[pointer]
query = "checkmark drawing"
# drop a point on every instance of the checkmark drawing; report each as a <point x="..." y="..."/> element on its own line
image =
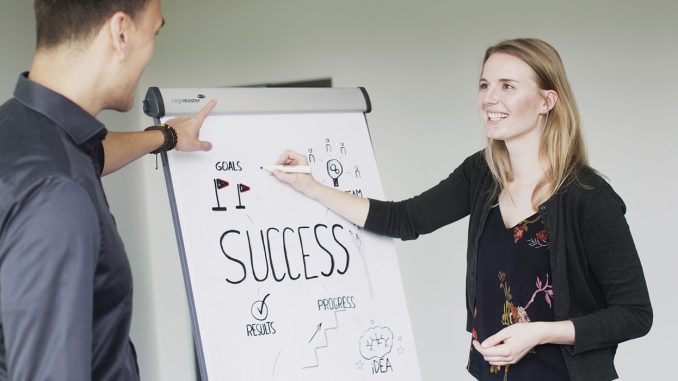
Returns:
<point x="259" y="309"/>
<point x="263" y="304"/>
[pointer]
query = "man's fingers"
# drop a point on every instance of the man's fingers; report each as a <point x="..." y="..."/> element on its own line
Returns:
<point x="202" y="114"/>
<point x="205" y="146"/>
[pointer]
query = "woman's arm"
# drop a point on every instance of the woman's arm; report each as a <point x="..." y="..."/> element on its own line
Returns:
<point x="352" y="208"/>
<point x="448" y="201"/>
<point x="613" y="262"/>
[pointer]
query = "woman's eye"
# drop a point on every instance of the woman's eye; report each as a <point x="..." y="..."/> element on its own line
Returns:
<point x="483" y="86"/>
<point x="508" y="86"/>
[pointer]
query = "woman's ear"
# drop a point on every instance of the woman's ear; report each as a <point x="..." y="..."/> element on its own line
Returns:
<point x="550" y="101"/>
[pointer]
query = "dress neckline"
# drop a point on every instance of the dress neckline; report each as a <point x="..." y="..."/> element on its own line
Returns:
<point x="525" y="221"/>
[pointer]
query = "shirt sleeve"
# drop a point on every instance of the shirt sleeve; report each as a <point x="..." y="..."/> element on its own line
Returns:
<point x="48" y="256"/>
<point x="443" y="204"/>
<point x="614" y="262"/>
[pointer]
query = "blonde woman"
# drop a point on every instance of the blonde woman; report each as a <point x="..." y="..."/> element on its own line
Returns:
<point x="553" y="281"/>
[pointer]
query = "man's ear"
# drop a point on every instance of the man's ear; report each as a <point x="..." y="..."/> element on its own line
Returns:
<point x="120" y="25"/>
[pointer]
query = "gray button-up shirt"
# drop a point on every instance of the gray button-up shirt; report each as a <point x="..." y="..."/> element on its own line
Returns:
<point x="65" y="281"/>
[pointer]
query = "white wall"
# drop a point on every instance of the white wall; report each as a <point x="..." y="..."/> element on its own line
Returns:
<point x="17" y="43"/>
<point x="420" y="63"/>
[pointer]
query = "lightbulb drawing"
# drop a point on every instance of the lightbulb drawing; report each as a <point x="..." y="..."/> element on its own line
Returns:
<point x="335" y="169"/>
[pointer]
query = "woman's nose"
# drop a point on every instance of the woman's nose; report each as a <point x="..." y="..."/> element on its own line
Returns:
<point x="491" y="96"/>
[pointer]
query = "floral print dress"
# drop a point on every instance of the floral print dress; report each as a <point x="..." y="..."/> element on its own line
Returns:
<point x="514" y="286"/>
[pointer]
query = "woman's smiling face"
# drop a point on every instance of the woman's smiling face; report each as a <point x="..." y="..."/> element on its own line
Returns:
<point x="509" y="98"/>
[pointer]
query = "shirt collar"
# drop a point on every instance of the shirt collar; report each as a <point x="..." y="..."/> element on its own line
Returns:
<point x="84" y="129"/>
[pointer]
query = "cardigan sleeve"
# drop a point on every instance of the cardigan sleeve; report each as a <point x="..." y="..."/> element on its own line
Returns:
<point x="441" y="205"/>
<point x="614" y="262"/>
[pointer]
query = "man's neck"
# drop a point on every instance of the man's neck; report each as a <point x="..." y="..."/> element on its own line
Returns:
<point x="71" y="73"/>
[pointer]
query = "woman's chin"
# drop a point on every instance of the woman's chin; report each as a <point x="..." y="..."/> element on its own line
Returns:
<point x="494" y="133"/>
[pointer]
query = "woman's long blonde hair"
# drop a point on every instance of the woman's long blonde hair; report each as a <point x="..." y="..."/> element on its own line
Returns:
<point x="562" y="147"/>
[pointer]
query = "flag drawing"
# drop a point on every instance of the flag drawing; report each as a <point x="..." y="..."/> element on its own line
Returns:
<point x="218" y="185"/>
<point x="242" y="188"/>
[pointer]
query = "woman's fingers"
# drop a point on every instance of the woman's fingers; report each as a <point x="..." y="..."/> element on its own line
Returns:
<point x="501" y="354"/>
<point x="290" y="157"/>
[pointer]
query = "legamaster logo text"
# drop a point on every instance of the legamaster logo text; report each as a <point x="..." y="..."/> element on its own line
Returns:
<point x="185" y="100"/>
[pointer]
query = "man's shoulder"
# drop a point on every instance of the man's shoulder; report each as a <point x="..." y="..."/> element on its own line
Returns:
<point x="30" y="148"/>
<point x="28" y="138"/>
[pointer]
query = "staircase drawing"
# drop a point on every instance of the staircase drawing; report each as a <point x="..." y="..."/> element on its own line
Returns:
<point x="326" y="343"/>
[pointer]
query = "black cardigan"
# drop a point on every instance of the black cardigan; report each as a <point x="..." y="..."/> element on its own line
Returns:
<point x="597" y="275"/>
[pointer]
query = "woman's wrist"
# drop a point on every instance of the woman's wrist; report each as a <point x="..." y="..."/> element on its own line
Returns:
<point x="314" y="190"/>
<point x="556" y="332"/>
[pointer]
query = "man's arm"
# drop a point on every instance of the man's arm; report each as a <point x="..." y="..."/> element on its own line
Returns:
<point x="122" y="148"/>
<point x="48" y="256"/>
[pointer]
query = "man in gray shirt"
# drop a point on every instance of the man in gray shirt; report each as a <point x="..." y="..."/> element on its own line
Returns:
<point x="65" y="281"/>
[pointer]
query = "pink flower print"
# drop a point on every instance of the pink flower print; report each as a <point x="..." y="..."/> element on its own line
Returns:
<point x="515" y="317"/>
<point x="522" y="315"/>
<point x="546" y="288"/>
<point x="541" y="239"/>
<point x="518" y="314"/>
<point x="518" y="232"/>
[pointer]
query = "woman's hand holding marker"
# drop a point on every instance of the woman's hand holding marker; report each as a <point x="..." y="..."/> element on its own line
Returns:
<point x="350" y="207"/>
<point x="300" y="181"/>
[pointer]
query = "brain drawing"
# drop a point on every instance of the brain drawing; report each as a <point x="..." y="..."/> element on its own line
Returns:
<point x="376" y="343"/>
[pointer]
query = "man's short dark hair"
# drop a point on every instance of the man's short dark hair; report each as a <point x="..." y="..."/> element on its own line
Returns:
<point x="60" y="21"/>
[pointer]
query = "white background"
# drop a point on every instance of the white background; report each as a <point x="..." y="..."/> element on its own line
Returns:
<point x="420" y="62"/>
